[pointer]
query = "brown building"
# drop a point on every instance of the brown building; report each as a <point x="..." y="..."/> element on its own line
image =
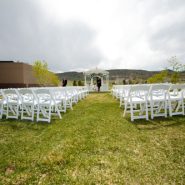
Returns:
<point x="16" y="74"/>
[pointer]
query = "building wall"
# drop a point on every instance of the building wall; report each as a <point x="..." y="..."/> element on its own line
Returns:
<point x="16" y="75"/>
<point x="28" y="75"/>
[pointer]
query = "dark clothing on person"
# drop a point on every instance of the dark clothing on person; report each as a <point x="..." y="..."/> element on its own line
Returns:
<point x="98" y="84"/>
<point x="64" y="82"/>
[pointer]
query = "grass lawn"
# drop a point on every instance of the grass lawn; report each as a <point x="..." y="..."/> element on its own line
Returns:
<point x="93" y="144"/>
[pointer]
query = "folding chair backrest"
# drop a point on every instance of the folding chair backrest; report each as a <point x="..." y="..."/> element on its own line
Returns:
<point x="25" y="91"/>
<point x="139" y="90"/>
<point x="62" y="92"/>
<point x="125" y="90"/>
<point x="27" y="95"/>
<point x="177" y="87"/>
<point x="10" y="94"/>
<point x="43" y="94"/>
<point x="159" y="89"/>
<point x="55" y="94"/>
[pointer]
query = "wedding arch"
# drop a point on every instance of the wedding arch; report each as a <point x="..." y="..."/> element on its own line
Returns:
<point x="91" y="76"/>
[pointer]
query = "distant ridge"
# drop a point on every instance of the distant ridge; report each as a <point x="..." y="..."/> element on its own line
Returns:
<point x="118" y="75"/>
<point x="114" y="74"/>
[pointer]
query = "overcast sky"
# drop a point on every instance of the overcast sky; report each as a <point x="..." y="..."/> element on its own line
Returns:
<point x="83" y="34"/>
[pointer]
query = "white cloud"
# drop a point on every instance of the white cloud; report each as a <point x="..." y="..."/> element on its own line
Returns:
<point x="106" y="33"/>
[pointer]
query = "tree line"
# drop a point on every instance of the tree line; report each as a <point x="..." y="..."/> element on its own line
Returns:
<point x="170" y="74"/>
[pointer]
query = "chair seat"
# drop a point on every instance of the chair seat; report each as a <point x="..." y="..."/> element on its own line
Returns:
<point x="14" y="102"/>
<point x="158" y="98"/>
<point x="178" y="97"/>
<point x="137" y="100"/>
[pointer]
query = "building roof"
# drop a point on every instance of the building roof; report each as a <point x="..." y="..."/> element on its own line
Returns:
<point x="6" y="61"/>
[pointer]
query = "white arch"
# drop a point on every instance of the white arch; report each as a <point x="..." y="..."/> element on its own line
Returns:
<point x="94" y="73"/>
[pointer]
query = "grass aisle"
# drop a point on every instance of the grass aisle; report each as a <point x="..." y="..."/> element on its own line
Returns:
<point x="93" y="144"/>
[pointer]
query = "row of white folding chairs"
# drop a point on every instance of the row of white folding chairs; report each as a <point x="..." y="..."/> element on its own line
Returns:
<point x="117" y="90"/>
<point x="40" y="101"/>
<point x="56" y="98"/>
<point x="158" y="99"/>
<point x="121" y="91"/>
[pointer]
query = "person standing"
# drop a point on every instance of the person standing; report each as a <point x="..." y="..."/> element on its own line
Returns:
<point x="64" y="82"/>
<point x="98" y="83"/>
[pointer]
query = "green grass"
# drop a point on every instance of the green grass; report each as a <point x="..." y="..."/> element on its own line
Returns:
<point x="93" y="144"/>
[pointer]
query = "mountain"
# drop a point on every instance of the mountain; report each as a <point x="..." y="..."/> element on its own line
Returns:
<point x="73" y="75"/>
<point x="119" y="75"/>
<point x="114" y="74"/>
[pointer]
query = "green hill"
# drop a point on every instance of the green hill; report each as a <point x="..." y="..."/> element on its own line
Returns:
<point x="113" y="74"/>
<point x="116" y="75"/>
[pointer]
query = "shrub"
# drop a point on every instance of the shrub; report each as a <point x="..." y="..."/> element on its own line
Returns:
<point x="74" y="83"/>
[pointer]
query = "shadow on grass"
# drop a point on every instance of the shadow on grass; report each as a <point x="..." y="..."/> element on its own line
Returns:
<point x="21" y="124"/>
<point x="157" y="123"/>
<point x="18" y="124"/>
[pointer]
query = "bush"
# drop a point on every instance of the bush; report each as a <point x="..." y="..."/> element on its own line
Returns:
<point x="80" y="83"/>
<point x="74" y="83"/>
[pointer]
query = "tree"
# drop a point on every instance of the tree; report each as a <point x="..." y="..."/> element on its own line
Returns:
<point x="176" y="68"/>
<point x="74" y="83"/>
<point x="54" y="79"/>
<point x="171" y="74"/>
<point x="175" y="64"/>
<point x="159" y="77"/>
<point x="43" y="75"/>
<point x="80" y="83"/>
<point x="124" y="81"/>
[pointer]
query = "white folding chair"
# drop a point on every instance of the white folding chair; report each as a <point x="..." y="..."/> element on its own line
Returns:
<point x="12" y="103"/>
<point x="136" y="102"/>
<point x="44" y="104"/>
<point x="69" y="99"/>
<point x="118" y="91"/>
<point x="176" y="99"/>
<point x="2" y="102"/>
<point x="58" y="101"/>
<point x="113" y="90"/>
<point x="62" y="96"/>
<point x="124" y="93"/>
<point x="85" y="91"/>
<point x="158" y="100"/>
<point x="28" y="104"/>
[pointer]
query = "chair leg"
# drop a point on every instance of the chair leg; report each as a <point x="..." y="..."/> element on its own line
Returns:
<point x="57" y="111"/>
<point x="38" y="112"/>
<point x="1" y="111"/>
<point x="183" y="112"/>
<point x="49" y="120"/>
<point x="14" y="109"/>
<point x="125" y="110"/>
<point x="146" y="104"/>
<point x="165" y="108"/>
<point x="131" y="112"/>
<point x="152" y="109"/>
<point x="170" y="108"/>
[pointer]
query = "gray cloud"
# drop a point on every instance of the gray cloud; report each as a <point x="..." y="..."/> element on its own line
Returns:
<point x="168" y="37"/>
<point x="27" y="35"/>
<point x="151" y="31"/>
